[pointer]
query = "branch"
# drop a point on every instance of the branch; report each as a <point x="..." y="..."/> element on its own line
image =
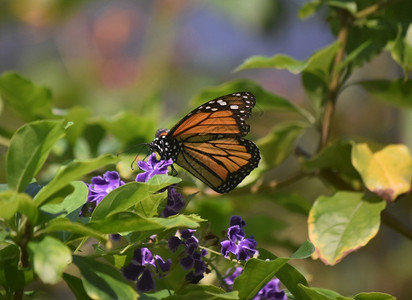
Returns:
<point x="374" y="8"/>
<point x="345" y="21"/>
<point x="396" y="225"/>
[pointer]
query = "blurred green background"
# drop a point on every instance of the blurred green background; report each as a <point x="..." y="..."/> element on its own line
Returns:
<point x="145" y="60"/>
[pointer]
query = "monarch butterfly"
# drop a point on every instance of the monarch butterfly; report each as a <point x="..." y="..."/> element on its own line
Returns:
<point x="208" y="142"/>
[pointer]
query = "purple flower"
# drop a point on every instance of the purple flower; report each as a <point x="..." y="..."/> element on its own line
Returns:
<point x="152" y="167"/>
<point x="192" y="259"/>
<point x="100" y="187"/>
<point x="230" y="279"/>
<point x="243" y="248"/>
<point x="271" y="291"/>
<point x="115" y="237"/>
<point x="174" y="203"/>
<point x="155" y="167"/>
<point x="141" y="269"/>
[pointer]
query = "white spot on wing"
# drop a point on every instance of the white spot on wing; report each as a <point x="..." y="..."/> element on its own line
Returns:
<point x="234" y="106"/>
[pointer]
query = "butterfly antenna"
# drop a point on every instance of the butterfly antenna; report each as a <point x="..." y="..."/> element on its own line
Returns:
<point x="138" y="153"/>
<point x="261" y="111"/>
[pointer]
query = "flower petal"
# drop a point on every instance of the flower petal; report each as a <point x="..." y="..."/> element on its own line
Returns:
<point x="146" y="282"/>
<point x="187" y="262"/>
<point x="174" y="243"/>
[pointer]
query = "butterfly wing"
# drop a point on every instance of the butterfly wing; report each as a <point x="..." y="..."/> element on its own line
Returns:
<point x="225" y="115"/>
<point x="208" y="142"/>
<point x="221" y="163"/>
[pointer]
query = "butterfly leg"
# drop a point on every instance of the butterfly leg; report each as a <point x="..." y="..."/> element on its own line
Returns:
<point x="174" y="171"/>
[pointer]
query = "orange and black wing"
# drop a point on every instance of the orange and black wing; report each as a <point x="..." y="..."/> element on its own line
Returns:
<point x="221" y="163"/>
<point x="225" y="116"/>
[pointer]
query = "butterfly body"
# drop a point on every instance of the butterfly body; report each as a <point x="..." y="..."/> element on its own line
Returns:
<point x="208" y="142"/>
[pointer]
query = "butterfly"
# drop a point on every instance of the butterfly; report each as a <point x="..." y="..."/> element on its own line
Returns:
<point x="208" y="142"/>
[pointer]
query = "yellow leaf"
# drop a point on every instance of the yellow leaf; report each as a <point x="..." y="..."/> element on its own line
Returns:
<point x="387" y="172"/>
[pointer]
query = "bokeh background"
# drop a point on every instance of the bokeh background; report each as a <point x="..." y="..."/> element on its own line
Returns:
<point x="151" y="57"/>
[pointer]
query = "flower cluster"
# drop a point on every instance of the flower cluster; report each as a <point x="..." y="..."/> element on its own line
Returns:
<point x="156" y="167"/>
<point x="174" y="203"/>
<point x="243" y="248"/>
<point x="270" y="291"/>
<point x="229" y="279"/>
<point x="100" y="187"/>
<point x="142" y="267"/>
<point x="193" y="254"/>
<point x="152" y="167"/>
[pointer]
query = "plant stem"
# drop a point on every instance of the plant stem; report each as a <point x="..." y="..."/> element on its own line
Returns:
<point x="345" y="20"/>
<point x="25" y="238"/>
<point x="25" y="234"/>
<point x="396" y="225"/>
<point x="374" y="8"/>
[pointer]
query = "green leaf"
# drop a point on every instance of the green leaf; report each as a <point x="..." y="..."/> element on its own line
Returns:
<point x="50" y="258"/>
<point x="148" y="205"/>
<point x="355" y="54"/>
<point x="129" y="127"/>
<point x="316" y="75"/>
<point x="279" y="61"/>
<point x="29" y="148"/>
<point x="255" y="275"/>
<point x="374" y="296"/>
<point x="387" y="172"/>
<point x="342" y="223"/>
<point x="78" y="115"/>
<point x="76" y="286"/>
<point x="71" y="206"/>
<point x="102" y="281"/>
<point x="318" y="293"/>
<point x="161" y="181"/>
<point x="349" y="6"/>
<point x="27" y="208"/>
<point x="401" y="49"/>
<point x="201" y="291"/>
<point x="371" y="35"/>
<point x="396" y="92"/>
<point x="309" y="8"/>
<point x="71" y="172"/>
<point x="280" y="142"/>
<point x="30" y="101"/>
<point x="128" y="221"/>
<point x="64" y="225"/>
<point x="335" y="157"/>
<point x="120" y="199"/>
<point x="288" y="275"/>
<point x="158" y="295"/>
<point x="12" y="278"/>
<point x="131" y="194"/>
<point x="9" y="204"/>
<point x="304" y="251"/>
<point x="319" y="62"/>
